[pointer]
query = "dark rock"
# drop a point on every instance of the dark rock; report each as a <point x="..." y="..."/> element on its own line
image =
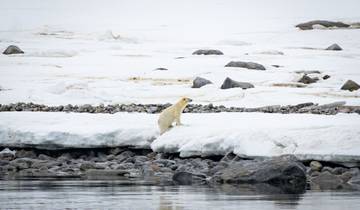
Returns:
<point x="124" y="155"/>
<point x="307" y="80"/>
<point x="161" y="69"/>
<point x="327" y="168"/>
<point x="350" y="85"/>
<point x="247" y="65"/>
<point x="87" y="165"/>
<point x="308" y="72"/>
<point x="21" y="163"/>
<point x="283" y="170"/>
<point x="327" y="24"/>
<point x="208" y="52"/>
<point x="335" y="47"/>
<point x="44" y="157"/>
<point x="12" y="49"/>
<point x="325" y="77"/>
<point x="339" y="170"/>
<point x="105" y="174"/>
<point x="125" y="166"/>
<point x="315" y="166"/>
<point x="198" y="82"/>
<point x="229" y="83"/>
<point x="326" y="180"/>
<point x="25" y="154"/>
<point x="7" y="155"/>
<point x="187" y="178"/>
<point x="116" y="151"/>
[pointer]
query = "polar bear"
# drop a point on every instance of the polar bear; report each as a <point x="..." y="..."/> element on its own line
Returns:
<point x="171" y="114"/>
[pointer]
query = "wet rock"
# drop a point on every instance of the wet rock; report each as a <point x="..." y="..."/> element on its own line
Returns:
<point x="326" y="180"/>
<point x="208" y="52"/>
<point x="125" y="166"/>
<point x="326" y="24"/>
<point x="7" y="154"/>
<point x="350" y="85"/>
<point x="198" y="82"/>
<point x="229" y="83"/>
<point x="21" y="163"/>
<point x="187" y="178"/>
<point x="307" y="80"/>
<point x="247" y="65"/>
<point x="105" y="174"/>
<point x="315" y="165"/>
<point x="285" y="170"/>
<point x="334" y="47"/>
<point x="87" y="165"/>
<point x="12" y="49"/>
<point x="116" y="151"/>
<point x="339" y="170"/>
<point x="25" y="154"/>
<point x="44" y="157"/>
<point x="124" y="155"/>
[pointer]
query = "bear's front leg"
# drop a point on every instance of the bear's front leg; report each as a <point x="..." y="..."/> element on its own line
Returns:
<point x="177" y="121"/>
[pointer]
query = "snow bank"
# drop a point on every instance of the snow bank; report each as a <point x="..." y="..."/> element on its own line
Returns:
<point x="246" y="134"/>
<point x="64" y="130"/>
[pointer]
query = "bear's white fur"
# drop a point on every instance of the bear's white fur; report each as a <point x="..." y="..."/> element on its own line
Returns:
<point x="171" y="114"/>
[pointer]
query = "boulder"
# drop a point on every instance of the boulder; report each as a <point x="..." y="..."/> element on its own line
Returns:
<point x="326" y="181"/>
<point x="161" y="69"/>
<point x="278" y="171"/>
<point x="324" y="23"/>
<point x="350" y="85"/>
<point x="12" y="49"/>
<point x="208" y="52"/>
<point x="307" y="80"/>
<point x="315" y="166"/>
<point x="187" y="178"/>
<point x="247" y="65"/>
<point x="335" y="47"/>
<point x="198" y="82"/>
<point x="229" y="83"/>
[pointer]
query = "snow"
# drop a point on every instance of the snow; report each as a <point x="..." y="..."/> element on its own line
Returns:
<point x="73" y="57"/>
<point x="246" y="134"/>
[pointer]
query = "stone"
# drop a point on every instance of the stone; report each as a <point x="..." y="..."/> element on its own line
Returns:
<point x="307" y="80"/>
<point x="325" y="181"/>
<point x="350" y="85"/>
<point x="325" y="77"/>
<point x="105" y="174"/>
<point x="124" y="156"/>
<point x="87" y="165"/>
<point x="12" y="49"/>
<point x="339" y="170"/>
<point x="161" y="69"/>
<point x="315" y="165"/>
<point x="21" y="163"/>
<point x="229" y="83"/>
<point x="326" y="24"/>
<point x="247" y="65"/>
<point x="7" y="154"/>
<point x="25" y="154"/>
<point x="198" y="82"/>
<point x="334" y="47"/>
<point x="308" y="72"/>
<point x="208" y="52"/>
<point x="278" y="171"/>
<point x="187" y="178"/>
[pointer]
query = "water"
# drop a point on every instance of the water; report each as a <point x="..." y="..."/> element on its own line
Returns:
<point x="122" y="195"/>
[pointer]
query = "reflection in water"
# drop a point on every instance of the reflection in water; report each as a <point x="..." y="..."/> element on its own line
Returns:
<point x="124" y="195"/>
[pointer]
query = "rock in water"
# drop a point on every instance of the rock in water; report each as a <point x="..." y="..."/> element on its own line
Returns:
<point x="208" y="52"/>
<point x="229" y="83"/>
<point x="187" y="178"/>
<point x="199" y="82"/>
<point x="327" y="24"/>
<point x="285" y="171"/>
<point x="12" y="49"/>
<point x="335" y="47"/>
<point x="247" y="65"/>
<point x="308" y="80"/>
<point x="350" y="85"/>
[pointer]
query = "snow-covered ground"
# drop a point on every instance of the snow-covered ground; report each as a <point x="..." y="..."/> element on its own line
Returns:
<point x="88" y="52"/>
<point x="247" y="134"/>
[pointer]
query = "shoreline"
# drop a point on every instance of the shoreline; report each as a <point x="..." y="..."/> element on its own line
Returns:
<point x="122" y="163"/>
